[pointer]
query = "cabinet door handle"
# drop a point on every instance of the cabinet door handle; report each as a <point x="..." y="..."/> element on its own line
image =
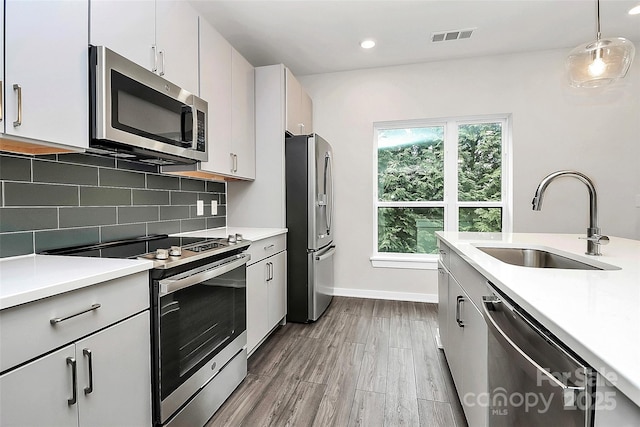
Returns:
<point x="154" y="50"/>
<point x="57" y="320"/>
<point x="235" y="163"/>
<point x="266" y="248"/>
<point x="267" y="272"/>
<point x="1" y="92"/>
<point x="459" y="301"/>
<point x="161" y="53"/>
<point x="87" y="353"/>
<point x="74" y="381"/>
<point x="18" y="89"/>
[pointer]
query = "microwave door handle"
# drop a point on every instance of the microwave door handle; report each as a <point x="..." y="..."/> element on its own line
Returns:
<point x="194" y="123"/>
<point x="194" y="132"/>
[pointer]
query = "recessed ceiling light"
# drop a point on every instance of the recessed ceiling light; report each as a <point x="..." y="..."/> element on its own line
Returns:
<point x="635" y="10"/>
<point x="367" y="44"/>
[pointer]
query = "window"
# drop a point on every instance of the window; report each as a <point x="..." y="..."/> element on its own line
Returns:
<point x="450" y="174"/>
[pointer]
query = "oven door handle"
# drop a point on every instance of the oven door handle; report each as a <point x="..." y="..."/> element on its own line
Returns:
<point x="168" y="286"/>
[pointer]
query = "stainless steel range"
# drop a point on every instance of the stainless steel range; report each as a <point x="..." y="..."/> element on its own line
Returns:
<point x="198" y="300"/>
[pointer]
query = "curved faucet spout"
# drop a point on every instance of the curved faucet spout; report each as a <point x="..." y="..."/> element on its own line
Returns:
<point x="593" y="232"/>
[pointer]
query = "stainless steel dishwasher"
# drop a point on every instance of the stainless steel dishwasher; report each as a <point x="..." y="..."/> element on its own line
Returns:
<point x="534" y="380"/>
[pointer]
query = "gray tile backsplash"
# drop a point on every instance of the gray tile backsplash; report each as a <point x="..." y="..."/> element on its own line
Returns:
<point x="48" y="202"/>
<point x="28" y="194"/>
<point x="64" y="173"/>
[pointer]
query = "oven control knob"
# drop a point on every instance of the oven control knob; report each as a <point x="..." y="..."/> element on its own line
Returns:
<point x="175" y="251"/>
<point x="231" y="238"/>
<point x="239" y="237"/>
<point x="162" y="254"/>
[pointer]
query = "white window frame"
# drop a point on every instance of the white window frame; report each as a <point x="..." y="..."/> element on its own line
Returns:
<point x="450" y="202"/>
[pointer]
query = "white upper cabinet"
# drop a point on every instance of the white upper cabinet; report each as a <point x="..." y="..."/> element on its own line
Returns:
<point x="243" y="129"/>
<point x="227" y="83"/>
<point x="177" y="42"/>
<point x="215" y="88"/>
<point x="299" y="107"/>
<point x="45" y="71"/>
<point x="2" y="120"/>
<point x="161" y="36"/>
<point x="126" y="27"/>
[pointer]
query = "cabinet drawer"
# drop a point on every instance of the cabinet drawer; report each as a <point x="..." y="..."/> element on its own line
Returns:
<point x="261" y="249"/>
<point x="27" y="330"/>
<point x="444" y="253"/>
<point x="474" y="283"/>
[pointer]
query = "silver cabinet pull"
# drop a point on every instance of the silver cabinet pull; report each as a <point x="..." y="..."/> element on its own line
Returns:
<point x="459" y="301"/>
<point x="161" y="62"/>
<point x="18" y="89"/>
<point x="235" y="163"/>
<point x="270" y="265"/>
<point x="267" y="271"/>
<point x="266" y="248"/>
<point x="154" y="49"/>
<point x="1" y="92"/>
<point x="57" y="320"/>
<point x="74" y="381"/>
<point x="87" y="353"/>
<point x="232" y="161"/>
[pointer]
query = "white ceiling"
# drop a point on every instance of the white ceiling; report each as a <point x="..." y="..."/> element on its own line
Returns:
<point x="321" y="36"/>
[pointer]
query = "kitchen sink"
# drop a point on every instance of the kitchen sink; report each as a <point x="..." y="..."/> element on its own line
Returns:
<point x="540" y="258"/>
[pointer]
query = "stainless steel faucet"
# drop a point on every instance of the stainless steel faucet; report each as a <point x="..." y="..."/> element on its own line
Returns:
<point x="594" y="238"/>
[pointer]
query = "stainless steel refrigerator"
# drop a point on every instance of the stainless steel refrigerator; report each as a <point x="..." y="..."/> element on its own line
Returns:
<point x="310" y="247"/>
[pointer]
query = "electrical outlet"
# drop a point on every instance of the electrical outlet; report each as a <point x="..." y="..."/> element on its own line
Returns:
<point x="200" y="207"/>
<point x="214" y="207"/>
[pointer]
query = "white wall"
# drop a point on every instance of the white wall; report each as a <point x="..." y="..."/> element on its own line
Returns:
<point x="554" y="127"/>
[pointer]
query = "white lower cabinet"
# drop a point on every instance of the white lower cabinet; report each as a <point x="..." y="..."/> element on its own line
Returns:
<point x="45" y="384"/>
<point x="101" y="380"/>
<point x="464" y="335"/>
<point x="81" y="358"/>
<point x="266" y="292"/>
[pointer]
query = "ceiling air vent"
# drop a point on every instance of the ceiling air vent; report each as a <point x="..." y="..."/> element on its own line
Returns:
<point x="452" y="35"/>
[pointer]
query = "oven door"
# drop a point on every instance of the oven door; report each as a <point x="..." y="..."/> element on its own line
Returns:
<point x="202" y="325"/>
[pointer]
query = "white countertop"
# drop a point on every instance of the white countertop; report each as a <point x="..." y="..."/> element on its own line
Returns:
<point x="28" y="278"/>
<point x="595" y="313"/>
<point x="249" y="233"/>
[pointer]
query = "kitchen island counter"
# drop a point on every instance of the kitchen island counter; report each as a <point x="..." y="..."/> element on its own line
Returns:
<point x="594" y="312"/>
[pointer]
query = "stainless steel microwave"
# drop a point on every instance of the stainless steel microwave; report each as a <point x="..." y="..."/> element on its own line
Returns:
<point x="137" y="114"/>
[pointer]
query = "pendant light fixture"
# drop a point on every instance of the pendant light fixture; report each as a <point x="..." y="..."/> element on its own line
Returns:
<point x="601" y="62"/>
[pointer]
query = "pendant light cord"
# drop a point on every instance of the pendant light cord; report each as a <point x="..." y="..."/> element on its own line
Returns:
<point x="598" y="20"/>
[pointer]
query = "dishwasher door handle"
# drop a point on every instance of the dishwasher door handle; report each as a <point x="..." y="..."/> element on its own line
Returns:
<point x="569" y="392"/>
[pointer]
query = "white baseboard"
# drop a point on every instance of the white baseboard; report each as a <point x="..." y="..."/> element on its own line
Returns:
<point x="398" y="296"/>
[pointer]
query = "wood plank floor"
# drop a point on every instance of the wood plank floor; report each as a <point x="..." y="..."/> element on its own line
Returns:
<point x="364" y="363"/>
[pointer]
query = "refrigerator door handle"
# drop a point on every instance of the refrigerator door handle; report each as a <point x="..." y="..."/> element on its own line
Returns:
<point x="329" y="253"/>
<point x="328" y="205"/>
